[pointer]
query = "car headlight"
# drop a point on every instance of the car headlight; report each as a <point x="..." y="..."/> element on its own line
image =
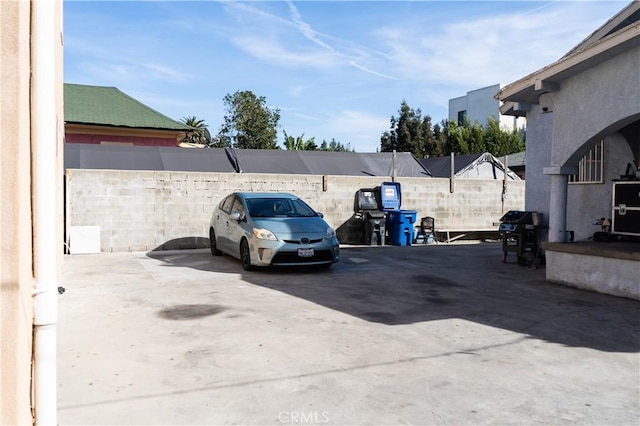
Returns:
<point x="330" y="233"/>
<point x="264" y="234"/>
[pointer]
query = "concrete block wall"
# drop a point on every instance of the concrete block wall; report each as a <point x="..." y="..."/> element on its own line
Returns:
<point x="147" y="210"/>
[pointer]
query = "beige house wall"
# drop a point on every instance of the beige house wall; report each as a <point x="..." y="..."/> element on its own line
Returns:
<point x="145" y="210"/>
<point x="16" y="236"/>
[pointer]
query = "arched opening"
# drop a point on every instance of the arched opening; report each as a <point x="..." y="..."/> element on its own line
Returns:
<point x="609" y="156"/>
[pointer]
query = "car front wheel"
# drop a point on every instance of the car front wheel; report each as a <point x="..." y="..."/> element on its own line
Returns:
<point x="245" y="255"/>
<point x="214" y="246"/>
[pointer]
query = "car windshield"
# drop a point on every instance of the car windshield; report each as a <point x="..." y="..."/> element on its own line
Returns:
<point x="279" y="207"/>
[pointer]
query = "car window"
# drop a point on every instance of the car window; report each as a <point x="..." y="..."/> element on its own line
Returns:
<point x="300" y="208"/>
<point x="225" y="206"/>
<point x="260" y="207"/>
<point x="279" y="207"/>
<point x="237" y="206"/>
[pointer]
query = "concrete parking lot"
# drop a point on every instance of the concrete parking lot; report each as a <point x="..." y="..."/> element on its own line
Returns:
<point x="441" y="334"/>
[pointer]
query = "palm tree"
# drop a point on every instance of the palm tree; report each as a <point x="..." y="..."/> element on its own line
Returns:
<point x="200" y="134"/>
<point x="298" y="143"/>
<point x="289" y="141"/>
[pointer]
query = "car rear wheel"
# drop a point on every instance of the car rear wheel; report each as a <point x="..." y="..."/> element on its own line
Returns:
<point x="214" y="246"/>
<point x="245" y="255"/>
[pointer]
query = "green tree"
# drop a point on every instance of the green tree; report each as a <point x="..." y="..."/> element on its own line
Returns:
<point x="200" y="134"/>
<point x="310" y="144"/>
<point x="248" y="122"/>
<point x="289" y="141"/>
<point x="500" y="142"/>
<point x="407" y="132"/>
<point x="476" y="140"/>
<point x="440" y="135"/>
<point x="335" y="146"/>
<point x="411" y="132"/>
<point x="430" y="141"/>
<point x="299" y="143"/>
<point x="449" y="137"/>
<point x="457" y="136"/>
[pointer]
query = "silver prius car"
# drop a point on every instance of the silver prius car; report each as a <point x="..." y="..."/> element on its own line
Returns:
<point x="271" y="229"/>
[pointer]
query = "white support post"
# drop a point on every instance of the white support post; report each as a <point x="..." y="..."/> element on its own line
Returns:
<point x="559" y="177"/>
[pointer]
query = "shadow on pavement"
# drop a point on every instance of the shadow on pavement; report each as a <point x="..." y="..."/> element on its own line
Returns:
<point x="402" y="285"/>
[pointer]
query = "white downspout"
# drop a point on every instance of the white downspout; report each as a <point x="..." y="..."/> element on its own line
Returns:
<point x="45" y="192"/>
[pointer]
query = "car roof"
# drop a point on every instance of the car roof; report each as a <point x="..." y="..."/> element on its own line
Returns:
<point x="249" y="195"/>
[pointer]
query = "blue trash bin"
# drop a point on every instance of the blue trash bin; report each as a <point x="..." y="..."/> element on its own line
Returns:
<point x="400" y="224"/>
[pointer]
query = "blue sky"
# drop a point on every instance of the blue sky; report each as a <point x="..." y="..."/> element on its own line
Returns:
<point x="335" y="69"/>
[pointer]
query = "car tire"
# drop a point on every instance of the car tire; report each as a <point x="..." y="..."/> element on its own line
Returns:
<point x="245" y="255"/>
<point x="212" y="242"/>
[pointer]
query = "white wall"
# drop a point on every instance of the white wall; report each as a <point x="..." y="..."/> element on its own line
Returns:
<point x="456" y="105"/>
<point x="480" y="104"/>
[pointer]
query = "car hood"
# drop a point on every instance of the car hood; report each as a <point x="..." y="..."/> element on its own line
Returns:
<point x="293" y="225"/>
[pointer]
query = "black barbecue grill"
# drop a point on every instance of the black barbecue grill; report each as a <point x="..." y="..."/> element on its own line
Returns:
<point x="519" y="230"/>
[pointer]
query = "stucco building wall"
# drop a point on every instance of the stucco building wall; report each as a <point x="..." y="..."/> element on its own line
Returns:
<point x="566" y="124"/>
<point x="537" y="157"/>
<point x="18" y="100"/>
<point x="144" y="210"/>
<point x="589" y="95"/>
<point x="590" y="104"/>
<point x="16" y="280"/>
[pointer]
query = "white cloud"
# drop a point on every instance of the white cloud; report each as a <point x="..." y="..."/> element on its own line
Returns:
<point x="472" y="53"/>
<point x="297" y="90"/>
<point x="274" y="52"/>
<point x="359" y="128"/>
<point x="276" y="39"/>
<point x="164" y="72"/>
<point x="116" y="73"/>
<point x="305" y="28"/>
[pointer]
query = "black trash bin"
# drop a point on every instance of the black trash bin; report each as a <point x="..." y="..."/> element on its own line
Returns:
<point x="373" y="218"/>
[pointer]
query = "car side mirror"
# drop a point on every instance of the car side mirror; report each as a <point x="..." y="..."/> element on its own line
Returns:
<point x="320" y="214"/>
<point x="237" y="216"/>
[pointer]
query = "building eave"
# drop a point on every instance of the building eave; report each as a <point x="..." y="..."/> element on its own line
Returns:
<point x="528" y="89"/>
<point x="99" y="129"/>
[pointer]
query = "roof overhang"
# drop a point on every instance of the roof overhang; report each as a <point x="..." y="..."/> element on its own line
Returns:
<point x="518" y="96"/>
<point x="99" y="129"/>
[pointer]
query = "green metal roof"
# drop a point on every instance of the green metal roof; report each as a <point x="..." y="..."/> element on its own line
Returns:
<point x="108" y="106"/>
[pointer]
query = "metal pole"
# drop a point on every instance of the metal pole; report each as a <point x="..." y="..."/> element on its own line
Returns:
<point x="453" y="172"/>
<point x="504" y="181"/>
<point x="395" y="167"/>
